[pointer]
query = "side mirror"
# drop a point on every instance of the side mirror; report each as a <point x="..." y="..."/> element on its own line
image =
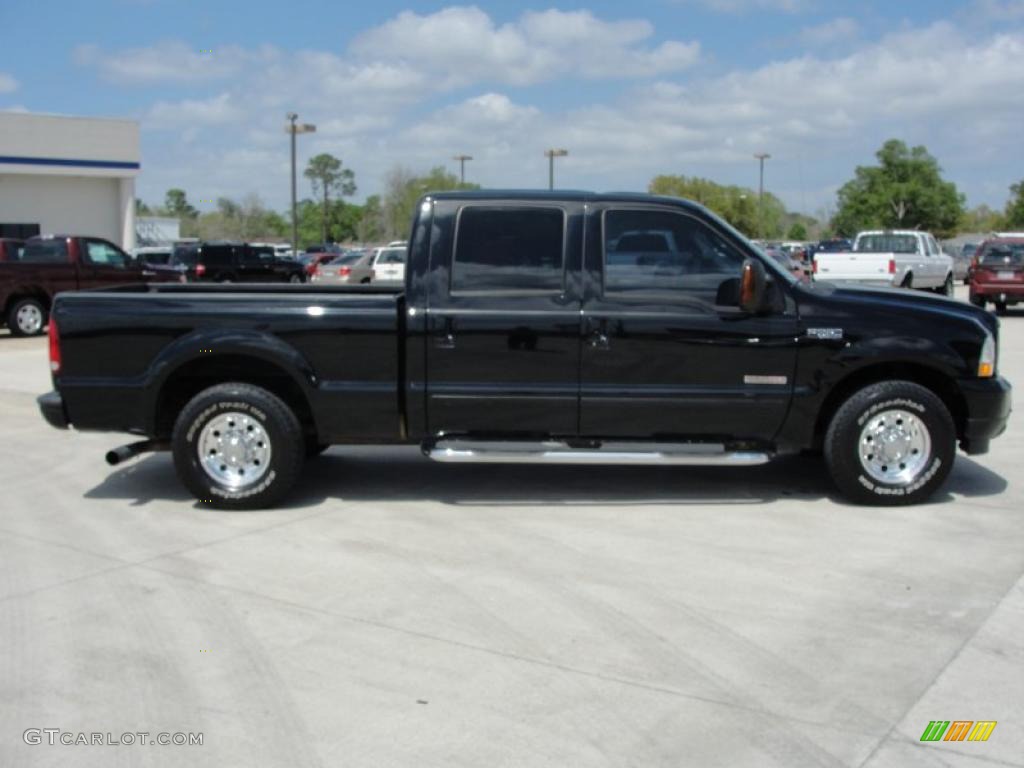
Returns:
<point x="753" y="283"/>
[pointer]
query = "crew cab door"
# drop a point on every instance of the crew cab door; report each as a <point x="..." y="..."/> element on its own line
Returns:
<point x="661" y="358"/>
<point x="503" y="339"/>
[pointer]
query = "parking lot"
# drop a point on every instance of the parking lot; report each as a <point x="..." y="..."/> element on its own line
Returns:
<point x="397" y="612"/>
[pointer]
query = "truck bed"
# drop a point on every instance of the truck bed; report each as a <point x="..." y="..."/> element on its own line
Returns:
<point x="340" y="347"/>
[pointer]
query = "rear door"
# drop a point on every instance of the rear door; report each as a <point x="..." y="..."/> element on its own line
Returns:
<point x="665" y="356"/>
<point x="503" y="339"/>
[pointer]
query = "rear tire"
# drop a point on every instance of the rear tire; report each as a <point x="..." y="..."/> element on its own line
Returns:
<point x="295" y="279"/>
<point x="232" y="429"/>
<point x="908" y="281"/>
<point x="1000" y="308"/>
<point x="27" y="317"/>
<point x="891" y="443"/>
<point x="947" y="287"/>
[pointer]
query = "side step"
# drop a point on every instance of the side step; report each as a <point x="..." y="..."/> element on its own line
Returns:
<point x="462" y="451"/>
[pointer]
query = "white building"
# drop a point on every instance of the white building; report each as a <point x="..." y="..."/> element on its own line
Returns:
<point x="68" y="175"/>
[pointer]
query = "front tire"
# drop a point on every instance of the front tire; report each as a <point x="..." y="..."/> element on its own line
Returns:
<point x="891" y="443"/>
<point x="238" y="446"/>
<point x="27" y="317"/>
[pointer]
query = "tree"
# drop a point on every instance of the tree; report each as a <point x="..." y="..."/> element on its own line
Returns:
<point x="797" y="232"/>
<point x="1014" y="216"/>
<point x="141" y="209"/>
<point x="402" y="191"/>
<point x="982" y="219"/>
<point x="905" y="190"/>
<point x="176" y="204"/>
<point x="327" y="177"/>
<point x="737" y="205"/>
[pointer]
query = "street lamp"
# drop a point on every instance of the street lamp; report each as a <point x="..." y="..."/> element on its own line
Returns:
<point x="293" y="128"/>
<point x="761" y="157"/>
<point x="462" y="166"/>
<point x="551" y="154"/>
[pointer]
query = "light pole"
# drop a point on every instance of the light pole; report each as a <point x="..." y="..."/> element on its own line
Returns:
<point x="761" y="157"/>
<point x="462" y="166"/>
<point x="292" y="128"/>
<point x="551" y="154"/>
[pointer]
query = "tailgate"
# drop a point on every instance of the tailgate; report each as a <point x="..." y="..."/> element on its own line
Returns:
<point x="848" y="265"/>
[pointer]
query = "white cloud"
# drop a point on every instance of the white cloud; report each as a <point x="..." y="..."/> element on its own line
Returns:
<point x="462" y="45"/>
<point x="217" y="110"/>
<point x="7" y="83"/>
<point x="840" y="30"/>
<point x="170" y="61"/>
<point x="744" y="6"/>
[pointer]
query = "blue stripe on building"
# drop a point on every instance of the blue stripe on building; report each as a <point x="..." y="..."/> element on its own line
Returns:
<point x="68" y="162"/>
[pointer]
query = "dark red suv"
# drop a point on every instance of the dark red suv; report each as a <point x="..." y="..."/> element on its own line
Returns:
<point x="997" y="273"/>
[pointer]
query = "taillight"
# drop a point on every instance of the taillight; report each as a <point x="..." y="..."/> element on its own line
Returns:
<point x="344" y="271"/>
<point x="54" y="336"/>
<point x="316" y="270"/>
<point x="892" y="266"/>
<point x="200" y="270"/>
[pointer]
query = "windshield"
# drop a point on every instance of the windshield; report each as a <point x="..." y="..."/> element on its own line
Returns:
<point x="345" y="258"/>
<point x="1002" y="254"/>
<point x="886" y="244"/>
<point x="392" y="256"/>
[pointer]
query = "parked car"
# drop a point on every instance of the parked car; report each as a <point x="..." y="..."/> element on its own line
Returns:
<point x="52" y="263"/>
<point x="10" y="248"/>
<point x="512" y="340"/>
<point x="230" y="262"/>
<point x="389" y="264"/>
<point x="317" y="254"/>
<point x="352" y="268"/>
<point x="153" y="254"/>
<point x="787" y="261"/>
<point x="997" y="273"/>
<point x="899" y="258"/>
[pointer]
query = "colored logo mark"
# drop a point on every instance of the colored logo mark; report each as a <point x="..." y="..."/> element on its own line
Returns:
<point x="958" y="730"/>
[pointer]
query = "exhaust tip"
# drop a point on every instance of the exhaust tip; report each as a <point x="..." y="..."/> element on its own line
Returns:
<point x="113" y="458"/>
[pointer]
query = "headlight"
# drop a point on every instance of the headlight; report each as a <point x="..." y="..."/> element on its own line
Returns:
<point x="987" y="361"/>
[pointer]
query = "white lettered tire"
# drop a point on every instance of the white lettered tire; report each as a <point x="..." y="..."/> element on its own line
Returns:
<point x="238" y="446"/>
<point x="891" y="443"/>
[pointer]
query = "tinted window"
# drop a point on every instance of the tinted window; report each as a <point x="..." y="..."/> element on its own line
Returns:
<point x="995" y="254"/>
<point x="45" y="252"/>
<point x="508" y="249"/>
<point x="185" y="254"/>
<point x="659" y="252"/>
<point x="887" y="244"/>
<point x="392" y="256"/>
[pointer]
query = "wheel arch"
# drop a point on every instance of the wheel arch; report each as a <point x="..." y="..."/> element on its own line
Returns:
<point x="196" y="364"/>
<point x="937" y="381"/>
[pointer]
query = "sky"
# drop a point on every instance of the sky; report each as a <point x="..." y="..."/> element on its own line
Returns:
<point x="632" y="90"/>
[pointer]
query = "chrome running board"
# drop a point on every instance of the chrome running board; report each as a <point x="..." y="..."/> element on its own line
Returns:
<point x="462" y="451"/>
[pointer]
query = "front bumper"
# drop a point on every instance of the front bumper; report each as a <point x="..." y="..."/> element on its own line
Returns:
<point x="989" y="402"/>
<point x="51" y="405"/>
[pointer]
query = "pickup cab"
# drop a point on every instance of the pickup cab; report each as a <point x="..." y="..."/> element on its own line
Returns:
<point x="571" y="328"/>
<point x="900" y="258"/>
<point x="49" y="264"/>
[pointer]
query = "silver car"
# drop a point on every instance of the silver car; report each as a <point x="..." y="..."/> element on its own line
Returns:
<point x="350" y="268"/>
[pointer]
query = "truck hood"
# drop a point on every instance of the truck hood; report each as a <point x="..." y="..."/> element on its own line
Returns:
<point x="901" y="300"/>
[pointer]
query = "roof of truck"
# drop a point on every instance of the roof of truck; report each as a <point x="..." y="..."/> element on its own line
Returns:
<point x="573" y="195"/>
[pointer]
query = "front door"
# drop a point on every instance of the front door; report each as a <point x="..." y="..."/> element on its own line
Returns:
<point x="503" y="338"/>
<point x="104" y="264"/>
<point x="667" y="354"/>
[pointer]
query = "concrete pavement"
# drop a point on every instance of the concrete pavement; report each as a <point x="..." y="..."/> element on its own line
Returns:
<point x="401" y="613"/>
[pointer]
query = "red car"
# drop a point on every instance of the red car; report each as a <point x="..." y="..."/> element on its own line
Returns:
<point x="997" y="273"/>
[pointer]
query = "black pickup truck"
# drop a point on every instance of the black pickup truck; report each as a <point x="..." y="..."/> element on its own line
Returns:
<point x="538" y="327"/>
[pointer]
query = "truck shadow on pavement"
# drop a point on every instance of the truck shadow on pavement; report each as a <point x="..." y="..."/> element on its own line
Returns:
<point x="401" y="474"/>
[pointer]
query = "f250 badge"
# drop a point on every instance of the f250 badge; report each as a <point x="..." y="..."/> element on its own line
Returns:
<point x="831" y="334"/>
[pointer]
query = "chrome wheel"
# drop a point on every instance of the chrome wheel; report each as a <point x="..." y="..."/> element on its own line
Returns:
<point x="895" y="447"/>
<point x="29" y="318"/>
<point x="234" y="449"/>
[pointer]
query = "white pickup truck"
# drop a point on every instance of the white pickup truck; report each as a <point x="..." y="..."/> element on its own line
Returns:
<point x="900" y="258"/>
